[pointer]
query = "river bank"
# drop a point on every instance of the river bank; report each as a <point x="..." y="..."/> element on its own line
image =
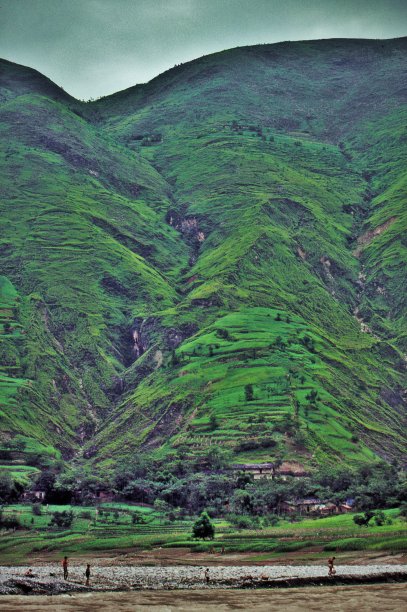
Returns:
<point x="47" y="579"/>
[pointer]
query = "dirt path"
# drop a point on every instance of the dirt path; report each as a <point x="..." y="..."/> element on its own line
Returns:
<point x="385" y="597"/>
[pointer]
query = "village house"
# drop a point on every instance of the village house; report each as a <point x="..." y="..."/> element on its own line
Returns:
<point x="98" y="496"/>
<point x="34" y="495"/>
<point x="103" y="495"/>
<point x="272" y="470"/>
<point x="311" y="506"/>
<point x="347" y="506"/>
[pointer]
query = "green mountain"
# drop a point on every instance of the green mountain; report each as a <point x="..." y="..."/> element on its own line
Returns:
<point x="215" y="258"/>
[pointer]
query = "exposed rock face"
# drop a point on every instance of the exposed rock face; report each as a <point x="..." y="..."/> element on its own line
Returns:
<point x="396" y="398"/>
<point x="366" y="238"/>
<point x="138" y="348"/>
<point x="301" y="253"/>
<point x="174" y="338"/>
<point x="188" y="226"/>
<point x="139" y="337"/>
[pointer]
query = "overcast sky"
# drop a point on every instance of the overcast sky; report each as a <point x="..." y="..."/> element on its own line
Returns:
<point x="97" y="47"/>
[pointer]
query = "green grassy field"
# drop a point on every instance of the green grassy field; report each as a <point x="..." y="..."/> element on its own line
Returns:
<point x="111" y="531"/>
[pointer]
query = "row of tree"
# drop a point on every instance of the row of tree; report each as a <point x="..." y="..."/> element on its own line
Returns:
<point x="194" y="484"/>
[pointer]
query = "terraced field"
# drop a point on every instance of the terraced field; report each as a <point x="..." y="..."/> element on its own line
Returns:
<point x="115" y="534"/>
<point x="213" y="258"/>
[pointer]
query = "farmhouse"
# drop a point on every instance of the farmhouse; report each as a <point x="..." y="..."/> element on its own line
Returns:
<point x="34" y="495"/>
<point x="272" y="470"/>
<point x="313" y="507"/>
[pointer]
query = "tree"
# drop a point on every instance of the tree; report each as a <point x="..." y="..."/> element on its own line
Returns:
<point x="275" y="466"/>
<point x="62" y="520"/>
<point x="217" y="458"/>
<point x="9" y="521"/>
<point x="248" y="393"/>
<point x="379" y="518"/>
<point x="203" y="528"/>
<point x="137" y="518"/>
<point x="161" y="506"/>
<point x="213" y="422"/>
<point x="6" y="486"/>
<point x="36" y="509"/>
<point x="222" y="333"/>
<point x="363" y="520"/>
<point x="174" y="358"/>
<point x="403" y="510"/>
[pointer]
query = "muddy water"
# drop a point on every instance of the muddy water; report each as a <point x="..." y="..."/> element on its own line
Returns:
<point x="378" y="597"/>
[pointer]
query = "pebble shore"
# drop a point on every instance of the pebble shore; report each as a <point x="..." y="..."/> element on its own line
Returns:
<point x="48" y="579"/>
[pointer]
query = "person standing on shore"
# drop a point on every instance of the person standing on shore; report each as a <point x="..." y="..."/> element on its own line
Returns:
<point x="87" y="574"/>
<point x="207" y="578"/>
<point x="65" y="567"/>
<point x="331" y="569"/>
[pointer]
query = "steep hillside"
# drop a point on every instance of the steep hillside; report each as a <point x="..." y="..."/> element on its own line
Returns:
<point x="215" y="257"/>
<point x="84" y="240"/>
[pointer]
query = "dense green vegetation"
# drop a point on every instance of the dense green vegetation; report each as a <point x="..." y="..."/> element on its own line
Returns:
<point x="214" y="258"/>
<point x="112" y="529"/>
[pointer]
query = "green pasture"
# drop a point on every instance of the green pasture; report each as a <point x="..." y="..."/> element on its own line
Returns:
<point x="112" y="531"/>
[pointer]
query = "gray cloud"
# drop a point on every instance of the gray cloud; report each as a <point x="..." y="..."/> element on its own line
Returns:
<point x="96" y="47"/>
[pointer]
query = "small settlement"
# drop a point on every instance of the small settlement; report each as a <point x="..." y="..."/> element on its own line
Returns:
<point x="285" y="470"/>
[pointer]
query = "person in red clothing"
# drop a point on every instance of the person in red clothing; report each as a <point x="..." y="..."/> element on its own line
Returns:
<point x="331" y="569"/>
<point x="65" y="567"/>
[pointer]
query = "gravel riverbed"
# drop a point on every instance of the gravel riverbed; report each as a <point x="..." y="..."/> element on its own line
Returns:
<point x="48" y="578"/>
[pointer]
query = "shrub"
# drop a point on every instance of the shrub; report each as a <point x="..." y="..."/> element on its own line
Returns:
<point x="244" y="522"/>
<point x="9" y="521"/>
<point x="363" y="520"/>
<point x="222" y="333"/>
<point x="346" y="544"/>
<point x="203" y="528"/>
<point x="36" y="509"/>
<point x="137" y="518"/>
<point x="213" y="422"/>
<point x="62" y="520"/>
<point x="248" y="393"/>
<point x="271" y="521"/>
<point x="379" y="518"/>
<point x="403" y="510"/>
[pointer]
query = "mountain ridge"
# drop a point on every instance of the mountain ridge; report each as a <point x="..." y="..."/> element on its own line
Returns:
<point x="205" y="235"/>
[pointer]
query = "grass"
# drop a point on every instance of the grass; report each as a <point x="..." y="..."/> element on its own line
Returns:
<point x="265" y="166"/>
<point x="115" y="533"/>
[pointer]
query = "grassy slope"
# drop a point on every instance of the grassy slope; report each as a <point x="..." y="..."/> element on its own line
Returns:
<point x="278" y="214"/>
<point x="82" y="232"/>
<point x="216" y="226"/>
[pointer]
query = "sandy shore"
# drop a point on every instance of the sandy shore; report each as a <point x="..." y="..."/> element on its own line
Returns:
<point x="383" y="597"/>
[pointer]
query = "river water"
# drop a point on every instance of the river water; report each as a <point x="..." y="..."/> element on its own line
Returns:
<point x="361" y="598"/>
